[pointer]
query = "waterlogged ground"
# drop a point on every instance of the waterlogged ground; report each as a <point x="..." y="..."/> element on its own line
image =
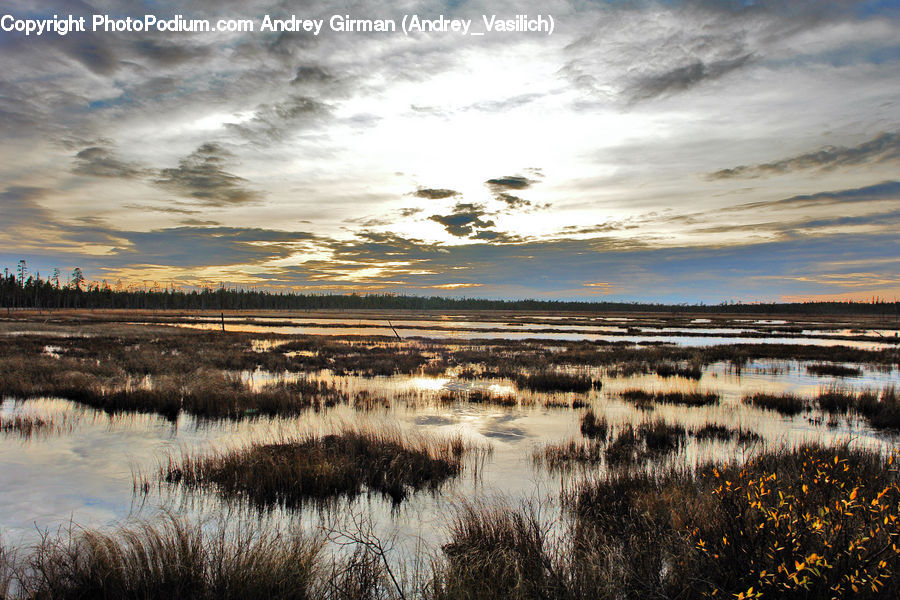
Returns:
<point x="678" y="328"/>
<point x="89" y="468"/>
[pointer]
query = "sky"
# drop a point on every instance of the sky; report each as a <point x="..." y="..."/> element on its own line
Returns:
<point x="668" y="151"/>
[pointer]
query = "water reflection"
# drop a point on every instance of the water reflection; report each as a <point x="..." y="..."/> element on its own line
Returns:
<point x="86" y="474"/>
<point x="704" y="338"/>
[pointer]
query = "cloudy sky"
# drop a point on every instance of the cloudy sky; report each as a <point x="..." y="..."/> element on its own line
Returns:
<point x="670" y="151"/>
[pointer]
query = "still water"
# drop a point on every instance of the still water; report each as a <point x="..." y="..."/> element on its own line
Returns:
<point x="82" y="470"/>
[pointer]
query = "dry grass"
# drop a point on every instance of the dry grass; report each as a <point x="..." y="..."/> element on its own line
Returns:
<point x="645" y="400"/>
<point x="204" y="392"/>
<point x="171" y="559"/>
<point x="833" y="370"/>
<point x="627" y="446"/>
<point x="649" y="441"/>
<point x="881" y="410"/>
<point x="7" y="572"/>
<point x="711" y="431"/>
<point x="885" y="414"/>
<point x="594" y="427"/>
<point x="27" y="426"/>
<point x="487" y="397"/>
<point x="554" y="381"/>
<point x="688" y="371"/>
<point x="786" y="404"/>
<point x="496" y="552"/>
<point x="321" y="467"/>
<point x="807" y="523"/>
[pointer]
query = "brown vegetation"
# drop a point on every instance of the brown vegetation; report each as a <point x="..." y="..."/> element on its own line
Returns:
<point x="290" y="472"/>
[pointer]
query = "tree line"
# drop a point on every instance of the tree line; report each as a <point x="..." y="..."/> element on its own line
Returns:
<point x="21" y="289"/>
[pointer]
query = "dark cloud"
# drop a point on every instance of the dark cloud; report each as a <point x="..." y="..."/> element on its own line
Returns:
<point x="887" y="191"/>
<point x="201" y="176"/>
<point x="201" y="246"/>
<point x="155" y="87"/>
<point x="21" y="207"/>
<point x="885" y="219"/>
<point x="505" y="104"/>
<point x="435" y="194"/>
<point x="169" y="53"/>
<point x="21" y="112"/>
<point x="501" y="187"/>
<point x="97" y="161"/>
<point x="806" y="227"/>
<point x="371" y="247"/>
<point x="291" y="109"/>
<point x="276" y="120"/>
<point x="510" y="182"/>
<point x="883" y="148"/>
<point x="609" y="227"/>
<point x="200" y="223"/>
<point x="464" y="220"/>
<point x="174" y="210"/>
<point x="884" y="191"/>
<point x="683" y="77"/>
<point x="512" y="201"/>
<point x="94" y="52"/>
<point x="408" y="212"/>
<point x="496" y="236"/>
<point x="634" y="54"/>
<point x="311" y="74"/>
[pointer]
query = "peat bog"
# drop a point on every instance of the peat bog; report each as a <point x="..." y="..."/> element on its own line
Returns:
<point x="525" y="467"/>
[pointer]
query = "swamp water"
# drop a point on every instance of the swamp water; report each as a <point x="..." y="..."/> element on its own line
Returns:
<point x="86" y="468"/>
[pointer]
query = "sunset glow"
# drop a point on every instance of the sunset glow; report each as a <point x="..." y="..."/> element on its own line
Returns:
<point x="650" y="151"/>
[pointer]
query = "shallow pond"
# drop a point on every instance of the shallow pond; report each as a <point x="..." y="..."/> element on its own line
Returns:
<point x="677" y="336"/>
<point x="83" y="472"/>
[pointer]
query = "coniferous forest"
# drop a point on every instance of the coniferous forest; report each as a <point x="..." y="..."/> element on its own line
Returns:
<point x="20" y="289"/>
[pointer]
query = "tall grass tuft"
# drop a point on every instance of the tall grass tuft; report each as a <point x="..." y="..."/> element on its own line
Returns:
<point x="7" y="572"/>
<point x="173" y="559"/>
<point x="27" y="426"/>
<point x="786" y="404"/>
<point x="643" y="399"/>
<point x="496" y="552"/>
<point x="628" y="446"/>
<point x="650" y="440"/>
<point x="712" y="431"/>
<point x="594" y="427"/>
<point x="555" y="381"/>
<point x="833" y="369"/>
<point x="316" y="467"/>
<point x="883" y="414"/>
<point x="881" y="410"/>
<point x="690" y="371"/>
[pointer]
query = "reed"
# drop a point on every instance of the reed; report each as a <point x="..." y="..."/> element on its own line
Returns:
<point x="644" y="399"/>
<point x="833" y="370"/>
<point x="554" y="381"/>
<point x="27" y="426"/>
<point x="321" y="467"/>
<point x="786" y="404"/>
<point x="496" y="552"/>
<point x="171" y="558"/>
<point x="712" y="431"/>
<point x="594" y="427"/>
<point x="628" y="446"/>
<point x="689" y="371"/>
